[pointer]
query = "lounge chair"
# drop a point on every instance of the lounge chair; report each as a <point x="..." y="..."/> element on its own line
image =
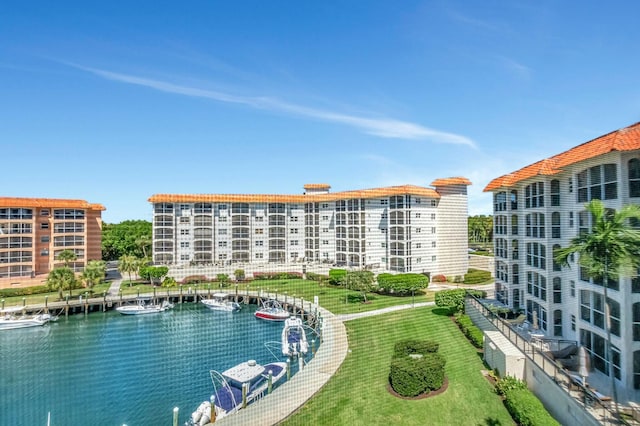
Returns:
<point x="517" y="321"/>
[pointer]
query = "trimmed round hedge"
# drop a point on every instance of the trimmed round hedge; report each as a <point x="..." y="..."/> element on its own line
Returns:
<point x="416" y="368"/>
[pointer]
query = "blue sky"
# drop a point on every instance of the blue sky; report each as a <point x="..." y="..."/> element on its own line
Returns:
<point x="112" y="102"/>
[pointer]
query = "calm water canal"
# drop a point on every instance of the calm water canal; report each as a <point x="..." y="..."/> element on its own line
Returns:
<point x="111" y="369"/>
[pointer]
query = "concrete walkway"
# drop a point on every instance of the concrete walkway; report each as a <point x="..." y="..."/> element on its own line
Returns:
<point x="114" y="289"/>
<point x="349" y="317"/>
<point x="286" y="399"/>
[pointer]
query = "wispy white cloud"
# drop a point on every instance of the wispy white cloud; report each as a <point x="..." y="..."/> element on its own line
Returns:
<point x="515" y="67"/>
<point x="381" y="127"/>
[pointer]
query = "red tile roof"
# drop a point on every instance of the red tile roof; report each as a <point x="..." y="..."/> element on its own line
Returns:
<point x="626" y="139"/>
<point x="277" y="198"/>
<point x="317" y="186"/>
<point x="451" y="181"/>
<point x="48" y="203"/>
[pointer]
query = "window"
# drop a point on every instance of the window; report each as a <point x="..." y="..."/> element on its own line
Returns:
<point x="555" y="193"/>
<point x="44" y="239"/>
<point x="570" y="219"/>
<point x="222" y="231"/>
<point x="514" y="224"/>
<point x="534" y="224"/>
<point x="595" y="345"/>
<point x="515" y="274"/>
<point x="555" y="225"/>
<point x="536" y="255"/>
<point x="44" y="212"/>
<point x="184" y="232"/>
<point x="222" y="244"/>
<point x="259" y="243"/>
<point x="556" y="266"/>
<point x="185" y="219"/>
<point x="433" y="230"/>
<point x="557" y="290"/>
<point x="573" y="323"/>
<point x="417" y="215"/>
<point x="224" y="218"/>
<point x="634" y="177"/>
<point x="502" y="271"/>
<point x="418" y="245"/>
<point x="433" y="203"/>
<point x="500" y="225"/>
<point x="501" y="248"/>
<point x="534" y="195"/>
<point x="433" y="244"/>
<point x="44" y="252"/>
<point x="418" y="230"/>
<point x="614" y="314"/>
<point x="184" y="244"/>
<point x="514" y="200"/>
<point x="537" y="285"/>
<point x="500" y="202"/>
<point x="184" y="257"/>
<point x="572" y="288"/>
<point x="293" y="230"/>
<point x="44" y="225"/>
<point x="636" y="321"/>
<point x="598" y="183"/>
<point x="259" y="255"/>
<point x="557" y="322"/>
<point x="384" y="202"/>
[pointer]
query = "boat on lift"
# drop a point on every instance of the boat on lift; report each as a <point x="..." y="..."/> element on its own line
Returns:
<point x="294" y="339"/>
<point x="143" y="305"/>
<point x="229" y="385"/>
<point x="272" y="310"/>
<point x="221" y="302"/>
<point x="12" y="318"/>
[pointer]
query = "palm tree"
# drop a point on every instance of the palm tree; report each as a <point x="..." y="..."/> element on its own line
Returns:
<point x="128" y="264"/>
<point x="610" y="249"/>
<point x="144" y="242"/>
<point x="67" y="256"/>
<point x="93" y="273"/>
<point x="61" y="279"/>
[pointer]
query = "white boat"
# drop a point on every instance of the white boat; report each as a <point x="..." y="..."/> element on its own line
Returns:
<point x="294" y="339"/>
<point x="11" y="318"/>
<point x="144" y="306"/>
<point x="228" y="389"/>
<point x="221" y="302"/>
<point x="272" y="310"/>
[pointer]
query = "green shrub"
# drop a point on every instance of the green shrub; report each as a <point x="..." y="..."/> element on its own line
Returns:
<point x="239" y="274"/>
<point x="526" y="409"/>
<point x="473" y="333"/>
<point x="24" y="291"/>
<point x="317" y="277"/>
<point x="476" y="276"/>
<point x="508" y="383"/>
<point x="169" y="282"/>
<point x="455" y="298"/>
<point x="434" y="370"/>
<point x="414" y="376"/>
<point x="402" y="284"/>
<point x="194" y="279"/>
<point x="407" y="377"/>
<point x="337" y="276"/>
<point x="407" y="347"/>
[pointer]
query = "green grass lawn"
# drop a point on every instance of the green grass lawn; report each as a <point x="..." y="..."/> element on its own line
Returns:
<point x="333" y="298"/>
<point x="357" y="394"/>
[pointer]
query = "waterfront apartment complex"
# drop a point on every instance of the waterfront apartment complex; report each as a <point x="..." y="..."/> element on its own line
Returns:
<point x="34" y="230"/>
<point x="540" y="208"/>
<point x="399" y="228"/>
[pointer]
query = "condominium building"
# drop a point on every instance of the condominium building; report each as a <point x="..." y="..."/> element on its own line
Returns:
<point x="540" y="208"/>
<point x="398" y="228"/>
<point x="33" y="231"/>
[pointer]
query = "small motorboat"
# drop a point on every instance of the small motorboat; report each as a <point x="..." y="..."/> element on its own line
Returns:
<point x="294" y="339"/>
<point x="221" y="302"/>
<point x="11" y="318"/>
<point x="144" y="306"/>
<point x="272" y="310"/>
<point x="254" y="378"/>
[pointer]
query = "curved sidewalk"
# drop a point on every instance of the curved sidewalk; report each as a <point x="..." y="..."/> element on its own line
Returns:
<point x="286" y="399"/>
